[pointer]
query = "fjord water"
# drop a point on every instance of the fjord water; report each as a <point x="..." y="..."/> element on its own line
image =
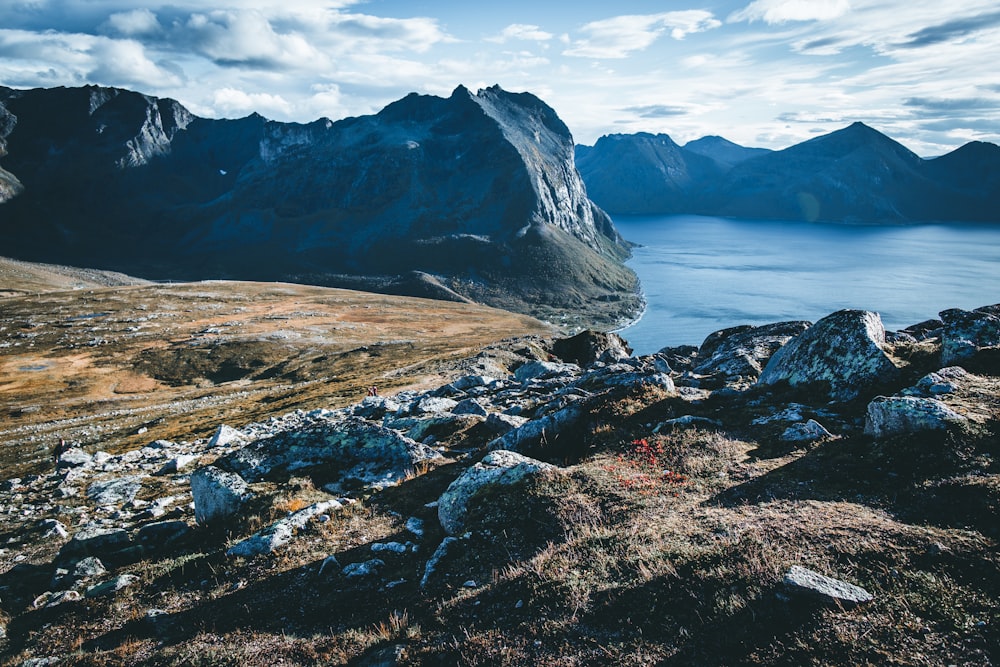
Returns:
<point x="701" y="274"/>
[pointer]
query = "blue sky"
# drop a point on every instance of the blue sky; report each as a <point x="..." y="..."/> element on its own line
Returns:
<point x="759" y="72"/>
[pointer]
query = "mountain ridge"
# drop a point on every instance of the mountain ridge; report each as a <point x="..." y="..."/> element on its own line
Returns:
<point x="476" y="190"/>
<point x="853" y="174"/>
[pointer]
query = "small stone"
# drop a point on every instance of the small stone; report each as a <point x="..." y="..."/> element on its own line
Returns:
<point x="804" y="581"/>
<point x="392" y="547"/>
<point x="415" y="526"/>
<point x="225" y="435"/>
<point x="111" y="586"/>
<point x="365" y="569"/>
<point x="808" y="431"/>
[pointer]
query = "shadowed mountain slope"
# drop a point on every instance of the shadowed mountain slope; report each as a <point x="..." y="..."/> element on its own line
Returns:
<point x="474" y="196"/>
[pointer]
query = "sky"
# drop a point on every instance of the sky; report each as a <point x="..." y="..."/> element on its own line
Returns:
<point x="767" y="73"/>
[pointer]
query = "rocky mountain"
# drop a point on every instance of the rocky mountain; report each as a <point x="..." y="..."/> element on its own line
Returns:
<point x="853" y="174"/>
<point x="474" y="196"/>
<point x="723" y="151"/>
<point x="643" y="173"/>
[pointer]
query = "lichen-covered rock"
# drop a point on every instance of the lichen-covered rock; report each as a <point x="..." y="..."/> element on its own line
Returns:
<point x="589" y="346"/>
<point x="843" y="351"/>
<point x="945" y="381"/>
<point x="894" y="415"/>
<point x="102" y="543"/>
<point x="217" y="494"/>
<point x="744" y="351"/>
<point x="353" y="448"/>
<point x="470" y="406"/>
<point x="545" y="369"/>
<point x="282" y="531"/>
<point x="547" y="427"/>
<point x="808" y="431"/>
<point x="115" y="491"/>
<point x="499" y="467"/>
<point x="968" y="333"/>
<point x="803" y="581"/>
<point x="225" y="435"/>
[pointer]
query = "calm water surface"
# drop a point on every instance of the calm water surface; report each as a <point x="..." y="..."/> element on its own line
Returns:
<point x="702" y="274"/>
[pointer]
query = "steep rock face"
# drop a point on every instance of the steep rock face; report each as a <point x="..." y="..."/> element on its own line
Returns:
<point x="472" y="196"/>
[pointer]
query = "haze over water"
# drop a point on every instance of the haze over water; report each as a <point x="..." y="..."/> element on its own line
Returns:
<point x="701" y="274"/>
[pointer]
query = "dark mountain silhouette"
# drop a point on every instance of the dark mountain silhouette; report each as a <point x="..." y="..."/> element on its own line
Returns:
<point x="723" y="151"/>
<point x="853" y="174"/>
<point x="643" y="173"/>
<point x="473" y="196"/>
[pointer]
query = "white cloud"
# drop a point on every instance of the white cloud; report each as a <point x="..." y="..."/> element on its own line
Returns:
<point x="125" y="63"/>
<point x="234" y="102"/>
<point x="619" y="36"/>
<point x="521" y="31"/>
<point x="134" y="23"/>
<point x="782" y="11"/>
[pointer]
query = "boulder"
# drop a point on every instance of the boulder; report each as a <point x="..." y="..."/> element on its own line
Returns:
<point x="353" y="449"/>
<point x="470" y="406"/>
<point x="74" y="457"/>
<point x="160" y="534"/>
<point x="945" y="381"/>
<point x="177" y="464"/>
<point x="968" y="335"/>
<point x="218" y="494"/>
<point x="895" y="415"/>
<point x="225" y="435"/>
<point x="432" y="405"/>
<point x="589" y="346"/>
<point x="281" y="532"/>
<point x="843" y="352"/>
<point x="803" y="581"/>
<point x="116" y="491"/>
<point x="499" y="467"/>
<point x="807" y="431"/>
<point x="103" y="543"/>
<point x="744" y="351"/>
<point x="111" y="586"/>
<point x="538" y="370"/>
<point x="532" y="432"/>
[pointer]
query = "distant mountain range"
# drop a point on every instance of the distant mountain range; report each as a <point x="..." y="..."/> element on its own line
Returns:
<point x="474" y="196"/>
<point x="853" y="174"/>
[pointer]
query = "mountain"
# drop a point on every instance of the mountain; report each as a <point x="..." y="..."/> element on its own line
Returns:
<point x="723" y="151"/>
<point x="853" y="174"/>
<point x="642" y="173"/>
<point x="474" y="196"/>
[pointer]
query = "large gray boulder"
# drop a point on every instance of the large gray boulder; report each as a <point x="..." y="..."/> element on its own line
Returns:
<point x="589" y="346"/>
<point x="895" y="415"/>
<point x="353" y="449"/>
<point x="744" y="351"/>
<point x="844" y="351"/>
<point x="117" y="491"/>
<point x="532" y="432"/>
<point x="969" y="333"/>
<point x="218" y="494"/>
<point x="499" y="467"/>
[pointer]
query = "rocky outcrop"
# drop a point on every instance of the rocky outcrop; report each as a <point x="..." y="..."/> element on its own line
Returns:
<point x="971" y="337"/>
<point x="351" y="450"/>
<point x="895" y="415"/>
<point x="843" y="354"/>
<point x="742" y="352"/>
<point x="588" y="346"/>
<point x="471" y="197"/>
<point x="497" y="468"/>
<point x="218" y="495"/>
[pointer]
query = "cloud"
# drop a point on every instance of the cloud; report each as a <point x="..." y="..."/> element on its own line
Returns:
<point x="938" y="105"/>
<point x="134" y="23"/>
<point x="619" y="36"/>
<point x="952" y="30"/>
<point x="521" y="31"/>
<point x="234" y="102"/>
<point x="125" y="63"/>
<point x="657" y="111"/>
<point x="245" y="39"/>
<point x="782" y="11"/>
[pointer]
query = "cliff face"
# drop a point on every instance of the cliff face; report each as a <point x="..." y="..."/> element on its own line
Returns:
<point x="475" y="196"/>
<point x="855" y="173"/>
